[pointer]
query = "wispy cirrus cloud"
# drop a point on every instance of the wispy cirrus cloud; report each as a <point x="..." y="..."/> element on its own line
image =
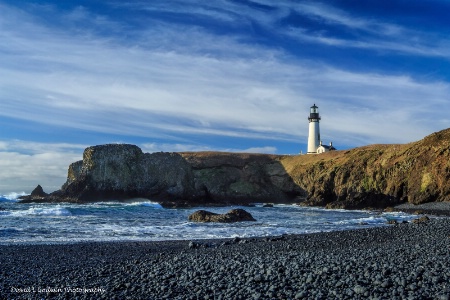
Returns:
<point x="155" y="89"/>
<point x="418" y="47"/>
<point x="334" y="16"/>
<point x="108" y="77"/>
<point x="358" y="32"/>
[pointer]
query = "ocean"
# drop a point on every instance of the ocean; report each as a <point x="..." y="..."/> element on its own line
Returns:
<point x="143" y="220"/>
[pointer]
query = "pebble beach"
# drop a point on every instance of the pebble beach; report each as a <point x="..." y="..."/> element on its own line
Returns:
<point x="403" y="261"/>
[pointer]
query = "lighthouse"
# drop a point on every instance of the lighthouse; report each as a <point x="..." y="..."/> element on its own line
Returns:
<point x="314" y="131"/>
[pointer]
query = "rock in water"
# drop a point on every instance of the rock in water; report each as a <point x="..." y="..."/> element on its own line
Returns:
<point x="238" y="215"/>
<point x="421" y="220"/>
<point x="234" y="215"/>
<point x="38" y="192"/>
<point x="37" y="195"/>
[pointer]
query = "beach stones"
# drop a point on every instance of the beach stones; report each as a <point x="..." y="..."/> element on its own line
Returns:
<point x="390" y="262"/>
<point x="234" y="215"/>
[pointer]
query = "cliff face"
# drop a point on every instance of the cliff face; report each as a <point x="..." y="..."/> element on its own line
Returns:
<point x="241" y="178"/>
<point x="371" y="176"/>
<point x="175" y="179"/>
<point x="120" y="171"/>
<point x="376" y="175"/>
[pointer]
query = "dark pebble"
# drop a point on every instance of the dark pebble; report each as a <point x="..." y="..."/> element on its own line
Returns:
<point x="411" y="261"/>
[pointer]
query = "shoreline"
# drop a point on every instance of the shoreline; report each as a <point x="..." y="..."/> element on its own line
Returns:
<point x="433" y="209"/>
<point x="430" y="208"/>
<point x="397" y="261"/>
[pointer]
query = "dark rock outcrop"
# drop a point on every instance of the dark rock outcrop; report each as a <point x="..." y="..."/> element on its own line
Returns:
<point x="421" y="220"/>
<point x="120" y="171"/>
<point x="36" y="195"/>
<point x="234" y="215"/>
<point x="241" y="178"/>
<point x="38" y="192"/>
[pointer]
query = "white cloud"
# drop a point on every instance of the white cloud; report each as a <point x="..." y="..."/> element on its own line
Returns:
<point x="267" y="149"/>
<point x="337" y="16"/>
<point x="370" y="108"/>
<point x="409" y="46"/>
<point x="155" y="147"/>
<point x="367" y="33"/>
<point x="227" y="12"/>
<point x="119" y="81"/>
<point x="24" y="165"/>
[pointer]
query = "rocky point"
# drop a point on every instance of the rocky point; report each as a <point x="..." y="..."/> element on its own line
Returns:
<point x="372" y="176"/>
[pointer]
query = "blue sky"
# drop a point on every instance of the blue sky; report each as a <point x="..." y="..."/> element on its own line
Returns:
<point x="225" y="75"/>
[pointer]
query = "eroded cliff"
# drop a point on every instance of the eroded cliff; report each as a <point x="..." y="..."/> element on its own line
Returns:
<point x="376" y="175"/>
<point x="221" y="177"/>
<point x="120" y="172"/>
<point x="371" y="176"/>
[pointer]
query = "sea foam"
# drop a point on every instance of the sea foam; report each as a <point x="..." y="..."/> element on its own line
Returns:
<point x="143" y="219"/>
<point x="41" y="211"/>
<point x="11" y="197"/>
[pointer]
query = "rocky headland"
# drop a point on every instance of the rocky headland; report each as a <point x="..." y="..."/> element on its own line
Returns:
<point x="374" y="176"/>
<point x="121" y="172"/>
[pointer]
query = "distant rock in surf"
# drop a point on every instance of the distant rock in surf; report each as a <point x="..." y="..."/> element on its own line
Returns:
<point x="234" y="215"/>
<point x="38" y="192"/>
<point x="37" y="195"/>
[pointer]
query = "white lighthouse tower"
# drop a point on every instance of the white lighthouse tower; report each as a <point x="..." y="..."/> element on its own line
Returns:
<point x="314" y="131"/>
